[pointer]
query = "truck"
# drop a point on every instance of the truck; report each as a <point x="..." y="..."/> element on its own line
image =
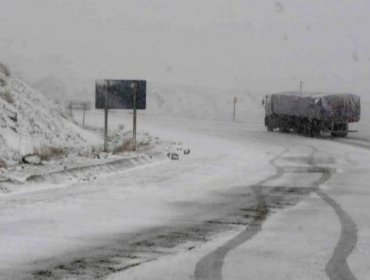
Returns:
<point x="311" y="114"/>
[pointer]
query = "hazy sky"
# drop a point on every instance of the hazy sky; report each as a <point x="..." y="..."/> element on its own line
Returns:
<point x="269" y="45"/>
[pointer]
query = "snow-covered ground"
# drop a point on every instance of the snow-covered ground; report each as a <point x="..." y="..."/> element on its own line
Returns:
<point x="47" y="230"/>
<point x="299" y="242"/>
<point x="44" y="228"/>
<point x="53" y="222"/>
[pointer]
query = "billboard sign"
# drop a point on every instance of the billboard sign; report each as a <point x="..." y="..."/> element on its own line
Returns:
<point x="119" y="94"/>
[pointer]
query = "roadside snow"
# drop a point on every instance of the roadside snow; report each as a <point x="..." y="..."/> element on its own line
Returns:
<point x="56" y="222"/>
<point x="29" y="121"/>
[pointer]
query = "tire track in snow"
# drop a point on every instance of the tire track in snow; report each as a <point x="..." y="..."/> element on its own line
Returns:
<point x="337" y="268"/>
<point x="210" y="267"/>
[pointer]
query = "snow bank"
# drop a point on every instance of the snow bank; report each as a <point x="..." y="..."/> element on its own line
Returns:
<point x="29" y="121"/>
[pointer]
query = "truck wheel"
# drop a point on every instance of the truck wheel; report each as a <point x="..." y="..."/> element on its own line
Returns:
<point x="340" y="130"/>
<point x="299" y="127"/>
<point x="311" y="131"/>
<point x="283" y="125"/>
<point x="315" y="129"/>
<point x="306" y="128"/>
<point x="284" y="128"/>
<point x="345" y="130"/>
<point x="268" y="124"/>
<point x="339" y="134"/>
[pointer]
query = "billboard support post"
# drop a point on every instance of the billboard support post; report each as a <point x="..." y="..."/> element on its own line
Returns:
<point x="106" y="118"/>
<point x="134" y="87"/>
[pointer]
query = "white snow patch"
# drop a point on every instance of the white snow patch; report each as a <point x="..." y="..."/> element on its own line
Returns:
<point x="29" y="121"/>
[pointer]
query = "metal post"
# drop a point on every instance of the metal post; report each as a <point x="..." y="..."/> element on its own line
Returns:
<point x="234" y="112"/>
<point x="106" y="118"/>
<point x="135" y="85"/>
<point x="301" y="87"/>
<point x="83" y="118"/>
<point x="70" y="109"/>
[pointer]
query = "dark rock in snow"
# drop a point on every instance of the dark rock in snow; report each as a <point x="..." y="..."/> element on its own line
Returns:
<point x="186" y="151"/>
<point x="13" y="117"/>
<point x="32" y="159"/>
<point x="175" y="156"/>
<point x="5" y="70"/>
<point x="3" y="164"/>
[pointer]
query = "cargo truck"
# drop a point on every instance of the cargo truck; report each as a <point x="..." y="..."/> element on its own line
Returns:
<point x="311" y="114"/>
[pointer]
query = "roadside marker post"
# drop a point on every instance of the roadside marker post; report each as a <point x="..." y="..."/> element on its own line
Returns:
<point x="79" y="105"/>
<point x="83" y="116"/>
<point x="234" y="111"/>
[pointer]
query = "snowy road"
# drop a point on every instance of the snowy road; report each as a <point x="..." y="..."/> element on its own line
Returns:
<point x="244" y="204"/>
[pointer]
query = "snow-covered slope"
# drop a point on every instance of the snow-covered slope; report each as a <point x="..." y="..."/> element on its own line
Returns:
<point x="29" y="121"/>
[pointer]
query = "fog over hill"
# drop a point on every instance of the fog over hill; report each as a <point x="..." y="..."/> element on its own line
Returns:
<point x="203" y="102"/>
<point x="255" y="47"/>
<point x="258" y="45"/>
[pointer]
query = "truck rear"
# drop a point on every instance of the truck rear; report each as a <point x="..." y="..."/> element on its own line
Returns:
<point x="311" y="113"/>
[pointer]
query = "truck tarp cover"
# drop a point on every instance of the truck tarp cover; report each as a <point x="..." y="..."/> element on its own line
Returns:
<point x="317" y="105"/>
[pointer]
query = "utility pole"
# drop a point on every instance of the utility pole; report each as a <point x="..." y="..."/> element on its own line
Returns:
<point x="70" y="109"/>
<point x="234" y="111"/>
<point x="84" y="112"/>
<point x="106" y="118"/>
<point x="134" y="88"/>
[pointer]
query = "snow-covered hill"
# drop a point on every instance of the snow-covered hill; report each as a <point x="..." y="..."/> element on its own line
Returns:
<point x="29" y="122"/>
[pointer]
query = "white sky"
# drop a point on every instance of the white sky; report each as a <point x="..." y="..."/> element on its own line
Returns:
<point x="269" y="45"/>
